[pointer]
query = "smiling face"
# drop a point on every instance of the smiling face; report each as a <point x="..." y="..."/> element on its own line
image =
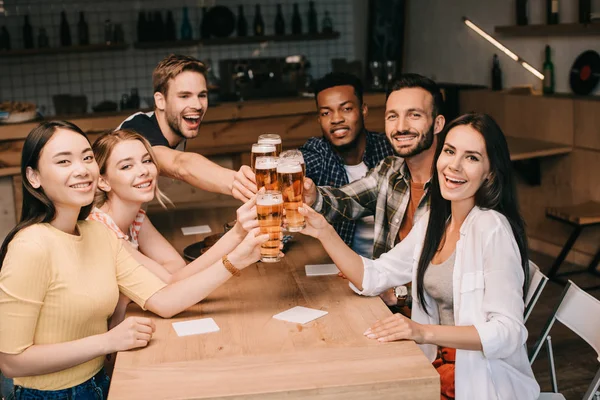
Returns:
<point x="463" y="165"/>
<point x="409" y="122"/>
<point x="185" y="103"/>
<point x="340" y="115"/>
<point x="130" y="173"/>
<point x="67" y="171"/>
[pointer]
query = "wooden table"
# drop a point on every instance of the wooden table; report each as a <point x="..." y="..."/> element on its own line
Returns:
<point x="526" y="153"/>
<point x="254" y="356"/>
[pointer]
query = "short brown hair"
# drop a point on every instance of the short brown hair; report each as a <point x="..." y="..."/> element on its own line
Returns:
<point x="170" y="67"/>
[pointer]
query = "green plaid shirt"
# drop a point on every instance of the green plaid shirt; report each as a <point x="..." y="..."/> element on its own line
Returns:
<point x="383" y="192"/>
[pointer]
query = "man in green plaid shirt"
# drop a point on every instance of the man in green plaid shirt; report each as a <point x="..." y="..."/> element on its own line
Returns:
<point x="395" y="191"/>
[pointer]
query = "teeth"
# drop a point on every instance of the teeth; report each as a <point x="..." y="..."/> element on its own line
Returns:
<point x="195" y="117"/>
<point x="404" y="138"/>
<point x="143" y="185"/>
<point x="80" y="185"/>
<point x="455" y="180"/>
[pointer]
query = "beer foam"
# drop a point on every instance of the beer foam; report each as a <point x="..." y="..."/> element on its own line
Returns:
<point x="289" y="168"/>
<point x="263" y="148"/>
<point x="269" y="141"/>
<point x="267" y="199"/>
<point x="266" y="163"/>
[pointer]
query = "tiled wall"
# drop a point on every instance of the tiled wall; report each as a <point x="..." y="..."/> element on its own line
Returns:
<point x="107" y="75"/>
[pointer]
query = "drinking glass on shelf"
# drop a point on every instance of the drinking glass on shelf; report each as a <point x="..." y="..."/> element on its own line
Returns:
<point x="390" y="72"/>
<point x="375" y="67"/>
<point x="291" y="182"/>
<point x="261" y="150"/>
<point x="266" y="173"/>
<point x="269" y="209"/>
<point x="271" y="138"/>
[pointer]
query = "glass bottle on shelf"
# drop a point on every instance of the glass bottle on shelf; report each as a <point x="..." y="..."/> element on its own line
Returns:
<point x="327" y="23"/>
<point x="108" y="32"/>
<point x="27" y="34"/>
<point x="134" y="99"/>
<point x="65" y="31"/>
<point x="204" y="25"/>
<point x="279" y="21"/>
<point x="141" y="27"/>
<point x="186" y="26"/>
<point x="312" y="18"/>
<point x="496" y="74"/>
<point x="552" y="12"/>
<point x="170" y="30"/>
<point x="522" y="15"/>
<point x="259" y="25"/>
<point x="43" y="40"/>
<point x="548" y="72"/>
<point x="585" y="11"/>
<point x="296" y="21"/>
<point x="242" y="24"/>
<point x="4" y="39"/>
<point x="83" y="33"/>
<point x="158" y="27"/>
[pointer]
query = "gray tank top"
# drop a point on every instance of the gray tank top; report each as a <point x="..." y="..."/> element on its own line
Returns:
<point x="438" y="284"/>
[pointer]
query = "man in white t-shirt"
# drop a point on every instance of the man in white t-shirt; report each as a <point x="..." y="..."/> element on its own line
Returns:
<point x="346" y="151"/>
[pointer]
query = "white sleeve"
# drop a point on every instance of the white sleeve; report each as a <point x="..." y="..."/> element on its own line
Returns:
<point x="504" y="331"/>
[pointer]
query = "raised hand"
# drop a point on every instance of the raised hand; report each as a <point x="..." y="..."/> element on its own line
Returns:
<point x="246" y="216"/>
<point x="244" y="184"/>
<point x="310" y="191"/>
<point x="133" y="332"/>
<point x="315" y="222"/>
<point x="248" y="252"/>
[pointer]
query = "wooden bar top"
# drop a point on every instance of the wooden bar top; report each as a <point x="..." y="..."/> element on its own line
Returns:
<point x="254" y="356"/>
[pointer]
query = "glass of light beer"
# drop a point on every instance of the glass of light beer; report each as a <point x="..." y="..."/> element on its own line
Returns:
<point x="269" y="209"/>
<point x="266" y="173"/>
<point x="271" y="138"/>
<point x="294" y="155"/>
<point x="291" y="181"/>
<point x="261" y="150"/>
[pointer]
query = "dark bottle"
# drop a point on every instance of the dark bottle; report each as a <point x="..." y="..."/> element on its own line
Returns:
<point x="65" y="31"/>
<point x="186" y="26"/>
<point x="259" y="25"/>
<point x="313" y="25"/>
<point x="108" y="32"/>
<point x="158" y="27"/>
<point x="327" y="23"/>
<point x="496" y="74"/>
<point x="27" y="34"/>
<point x="204" y="27"/>
<point x="134" y="99"/>
<point x="548" y="72"/>
<point x="83" y="33"/>
<point x="552" y="12"/>
<point x="141" y="27"/>
<point x="242" y="24"/>
<point x="43" y="40"/>
<point x="585" y="11"/>
<point x="170" y="30"/>
<point x="150" y="31"/>
<point x="296" y="21"/>
<point x="279" y="21"/>
<point x="4" y="39"/>
<point x="522" y="14"/>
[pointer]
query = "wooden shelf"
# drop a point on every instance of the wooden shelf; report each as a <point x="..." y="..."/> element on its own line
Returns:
<point x="550" y="30"/>
<point x="238" y="40"/>
<point x="63" y="50"/>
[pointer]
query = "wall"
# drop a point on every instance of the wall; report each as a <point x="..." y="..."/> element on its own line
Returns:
<point x="108" y="75"/>
<point x="441" y="46"/>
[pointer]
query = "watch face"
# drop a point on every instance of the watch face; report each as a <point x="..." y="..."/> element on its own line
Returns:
<point x="401" y="291"/>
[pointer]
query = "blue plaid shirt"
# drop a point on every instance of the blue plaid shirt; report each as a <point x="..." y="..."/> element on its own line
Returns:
<point x="326" y="168"/>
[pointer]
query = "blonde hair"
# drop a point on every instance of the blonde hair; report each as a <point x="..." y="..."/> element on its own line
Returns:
<point x="103" y="148"/>
<point x="170" y="67"/>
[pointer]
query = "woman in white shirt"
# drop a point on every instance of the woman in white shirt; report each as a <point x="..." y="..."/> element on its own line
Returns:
<point x="468" y="263"/>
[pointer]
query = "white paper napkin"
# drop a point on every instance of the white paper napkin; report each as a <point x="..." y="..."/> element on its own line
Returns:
<point x="195" y="230"/>
<point x="321" y="269"/>
<point x="195" y="327"/>
<point x="300" y="315"/>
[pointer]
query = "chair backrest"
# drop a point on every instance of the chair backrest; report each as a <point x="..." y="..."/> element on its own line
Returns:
<point x="537" y="281"/>
<point x="580" y="312"/>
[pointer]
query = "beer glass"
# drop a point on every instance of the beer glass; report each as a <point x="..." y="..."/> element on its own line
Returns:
<point x="271" y="138"/>
<point x="294" y="155"/>
<point x="261" y="150"/>
<point x="291" y="181"/>
<point x="269" y="209"/>
<point x="266" y="173"/>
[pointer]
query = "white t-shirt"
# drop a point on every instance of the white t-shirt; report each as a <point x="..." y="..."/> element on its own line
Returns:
<point x="362" y="243"/>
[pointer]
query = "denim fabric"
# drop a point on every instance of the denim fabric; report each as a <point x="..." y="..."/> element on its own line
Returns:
<point x="6" y="387"/>
<point x="95" y="388"/>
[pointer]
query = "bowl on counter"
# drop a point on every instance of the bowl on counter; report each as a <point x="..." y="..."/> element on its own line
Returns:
<point x="14" y="112"/>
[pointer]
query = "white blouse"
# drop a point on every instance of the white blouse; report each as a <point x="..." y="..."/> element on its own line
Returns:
<point x="488" y="294"/>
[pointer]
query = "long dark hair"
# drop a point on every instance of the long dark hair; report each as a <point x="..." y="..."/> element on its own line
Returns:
<point x="498" y="193"/>
<point x="37" y="207"/>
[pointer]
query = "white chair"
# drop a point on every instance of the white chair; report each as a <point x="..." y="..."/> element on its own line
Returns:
<point x="537" y="282"/>
<point x="580" y="312"/>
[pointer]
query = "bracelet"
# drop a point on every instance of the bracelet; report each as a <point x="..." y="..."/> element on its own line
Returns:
<point x="229" y="266"/>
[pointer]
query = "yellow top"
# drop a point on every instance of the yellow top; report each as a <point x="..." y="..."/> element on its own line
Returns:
<point x="56" y="287"/>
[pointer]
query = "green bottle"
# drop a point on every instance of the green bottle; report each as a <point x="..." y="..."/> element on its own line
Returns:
<point x="548" y="73"/>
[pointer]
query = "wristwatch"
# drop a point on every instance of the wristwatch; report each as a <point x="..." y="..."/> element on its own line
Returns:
<point x="402" y="295"/>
